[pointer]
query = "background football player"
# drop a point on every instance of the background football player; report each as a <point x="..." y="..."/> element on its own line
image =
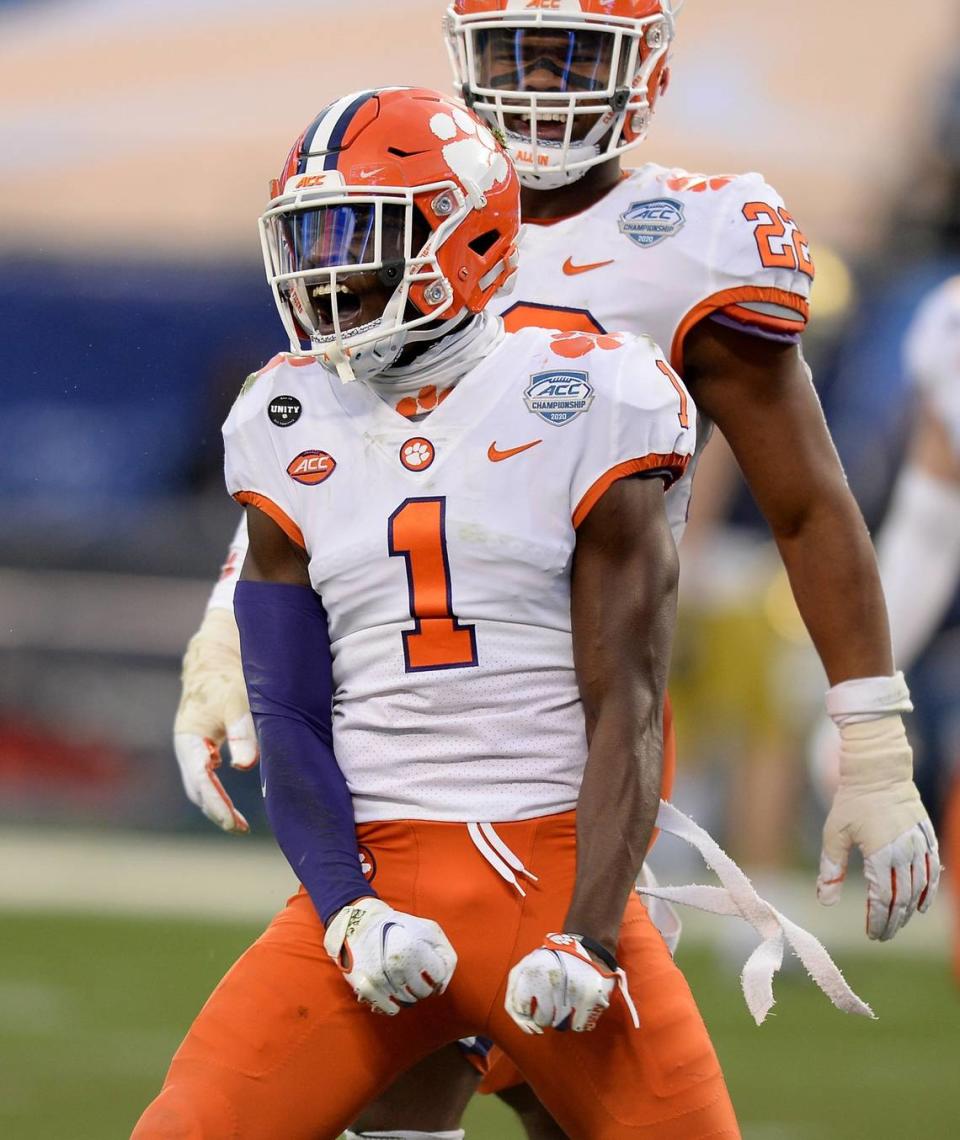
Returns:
<point x="716" y="269"/>
<point x="919" y="544"/>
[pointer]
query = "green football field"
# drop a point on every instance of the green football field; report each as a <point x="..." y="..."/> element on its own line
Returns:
<point x="92" y="1008"/>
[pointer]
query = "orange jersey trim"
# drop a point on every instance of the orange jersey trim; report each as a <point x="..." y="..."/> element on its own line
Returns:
<point x="672" y="462"/>
<point x="728" y="300"/>
<point x="285" y="358"/>
<point x="751" y="317"/>
<point x="270" y="508"/>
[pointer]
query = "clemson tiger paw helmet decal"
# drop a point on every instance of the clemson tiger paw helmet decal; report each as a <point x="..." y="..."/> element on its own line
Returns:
<point x="397" y="214"/>
<point x="569" y="83"/>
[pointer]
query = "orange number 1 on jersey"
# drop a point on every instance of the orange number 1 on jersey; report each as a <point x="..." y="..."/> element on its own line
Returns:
<point x="416" y="532"/>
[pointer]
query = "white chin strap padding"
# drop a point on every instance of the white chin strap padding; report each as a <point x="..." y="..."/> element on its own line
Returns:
<point x="373" y="357"/>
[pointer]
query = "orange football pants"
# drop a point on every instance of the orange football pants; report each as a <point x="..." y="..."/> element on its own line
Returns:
<point x="283" y="1050"/>
<point x="497" y="1070"/>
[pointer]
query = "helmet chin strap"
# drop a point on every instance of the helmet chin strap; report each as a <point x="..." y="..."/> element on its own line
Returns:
<point x="552" y="177"/>
<point x="373" y="357"/>
<point x="587" y="150"/>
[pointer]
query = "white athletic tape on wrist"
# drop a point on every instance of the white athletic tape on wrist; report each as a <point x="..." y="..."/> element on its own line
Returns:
<point x="875" y="753"/>
<point x="737" y="897"/>
<point x="867" y="698"/>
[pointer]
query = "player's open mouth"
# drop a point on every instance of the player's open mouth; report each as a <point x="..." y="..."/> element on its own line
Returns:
<point x="551" y="126"/>
<point x="349" y="306"/>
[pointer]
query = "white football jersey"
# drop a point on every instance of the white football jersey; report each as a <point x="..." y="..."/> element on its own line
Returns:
<point x="932" y="353"/>
<point x="442" y="553"/>
<point x="661" y="251"/>
<point x="657" y="254"/>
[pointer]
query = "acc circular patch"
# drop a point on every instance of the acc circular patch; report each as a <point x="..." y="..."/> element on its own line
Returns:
<point x="284" y="410"/>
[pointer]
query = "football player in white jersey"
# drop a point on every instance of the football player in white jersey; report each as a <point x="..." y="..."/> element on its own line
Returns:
<point x="919" y="543"/>
<point x="716" y="269"/>
<point x="498" y="588"/>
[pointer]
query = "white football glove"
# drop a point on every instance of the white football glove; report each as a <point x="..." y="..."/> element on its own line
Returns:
<point x="878" y="808"/>
<point x="213" y="708"/>
<point x="390" y="959"/>
<point x="560" y="986"/>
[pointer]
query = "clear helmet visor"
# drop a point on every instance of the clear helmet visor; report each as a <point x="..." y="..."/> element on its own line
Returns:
<point x="560" y="80"/>
<point x="543" y="60"/>
<point x="340" y="264"/>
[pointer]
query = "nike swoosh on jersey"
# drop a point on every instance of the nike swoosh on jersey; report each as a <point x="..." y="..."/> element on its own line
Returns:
<point x="497" y="456"/>
<point x="572" y="270"/>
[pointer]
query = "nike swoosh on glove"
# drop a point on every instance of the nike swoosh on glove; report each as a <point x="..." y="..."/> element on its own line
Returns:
<point x="878" y="808"/>
<point x="390" y="959"/>
<point x="213" y="708"/>
<point x="560" y="986"/>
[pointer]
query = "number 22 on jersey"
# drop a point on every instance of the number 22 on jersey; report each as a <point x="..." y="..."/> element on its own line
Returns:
<point x="416" y="532"/>
<point x="780" y="242"/>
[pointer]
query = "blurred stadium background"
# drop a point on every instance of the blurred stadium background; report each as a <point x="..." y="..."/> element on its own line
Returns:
<point x="137" y="142"/>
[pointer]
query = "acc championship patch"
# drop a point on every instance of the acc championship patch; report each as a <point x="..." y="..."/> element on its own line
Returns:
<point x="558" y="397"/>
<point x="653" y="221"/>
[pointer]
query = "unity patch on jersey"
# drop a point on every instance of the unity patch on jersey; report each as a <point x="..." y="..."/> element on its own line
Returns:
<point x="652" y="221"/>
<point x="558" y="397"/>
<point x="284" y="410"/>
<point x="311" y="467"/>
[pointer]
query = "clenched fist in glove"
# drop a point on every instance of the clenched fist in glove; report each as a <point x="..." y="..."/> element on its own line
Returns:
<point x="214" y="708"/>
<point x="560" y="986"/>
<point x="389" y="958"/>
<point x="878" y="808"/>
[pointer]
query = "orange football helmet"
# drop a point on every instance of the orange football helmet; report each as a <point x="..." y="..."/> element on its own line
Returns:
<point x="570" y="83"/>
<point x="397" y="213"/>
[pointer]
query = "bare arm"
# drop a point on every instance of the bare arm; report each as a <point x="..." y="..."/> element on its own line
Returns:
<point x="271" y="556"/>
<point x="760" y="395"/>
<point x="623" y="608"/>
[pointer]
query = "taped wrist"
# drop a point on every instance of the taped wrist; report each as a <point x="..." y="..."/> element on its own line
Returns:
<point x="289" y="675"/>
<point x="867" y="698"/>
<point x="875" y="754"/>
<point x="216" y="641"/>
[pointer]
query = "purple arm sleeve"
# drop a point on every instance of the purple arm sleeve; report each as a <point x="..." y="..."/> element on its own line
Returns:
<point x="287" y="666"/>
